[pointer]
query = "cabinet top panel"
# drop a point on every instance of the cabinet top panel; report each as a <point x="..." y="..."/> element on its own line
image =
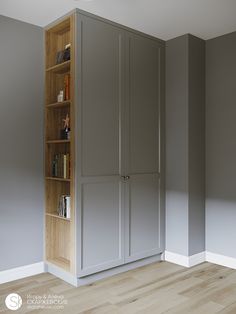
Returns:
<point x="125" y="28"/>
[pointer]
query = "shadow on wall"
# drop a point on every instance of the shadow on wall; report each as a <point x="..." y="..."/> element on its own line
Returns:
<point x="221" y="226"/>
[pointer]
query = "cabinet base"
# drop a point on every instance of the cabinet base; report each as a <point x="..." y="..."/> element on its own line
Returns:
<point x="73" y="280"/>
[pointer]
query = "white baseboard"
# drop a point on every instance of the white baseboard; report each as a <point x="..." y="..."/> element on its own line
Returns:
<point x="21" y="272"/>
<point x="221" y="260"/>
<point x="186" y="261"/>
<point x="197" y="259"/>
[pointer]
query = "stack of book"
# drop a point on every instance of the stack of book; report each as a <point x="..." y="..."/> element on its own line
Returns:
<point x="64" y="206"/>
<point x="61" y="166"/>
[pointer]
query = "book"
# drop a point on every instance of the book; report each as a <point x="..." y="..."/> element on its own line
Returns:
<point x="64" y="166"/>
<point x="61" y="166"/>
<point x="64" y="207"/>
<point x="68" y="209"/>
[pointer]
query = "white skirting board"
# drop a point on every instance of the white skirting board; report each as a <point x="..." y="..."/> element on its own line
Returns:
<point x="189" y="261"/>
<point x="21" y="272"/>
<point x="186" y="261"/>
<point x="222" y="260"/>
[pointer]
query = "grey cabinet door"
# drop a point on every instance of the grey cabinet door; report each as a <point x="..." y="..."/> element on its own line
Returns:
<point x="100" y="192"/>
<point x="144" y="217"/>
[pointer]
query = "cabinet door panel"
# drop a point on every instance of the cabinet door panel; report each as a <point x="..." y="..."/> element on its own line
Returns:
<point x="144" y="57"/>
<point x="102" y="232"/>
<point x="100" y="207"/>
<point x="144" y="217"/>
<point x="101" y="97"/>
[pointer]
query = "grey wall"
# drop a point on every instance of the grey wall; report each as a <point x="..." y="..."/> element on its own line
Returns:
<point x="196" y="140"/>
<point x="21" y="138"/>
<point x="177" y="145"/>
<point x="185" y="145"/>
<point x="221" y="145"/>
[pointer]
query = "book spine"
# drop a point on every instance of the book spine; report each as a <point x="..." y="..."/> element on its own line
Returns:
<point x="60" y="207"/>
<point x="68" y="165"/>
<point x="64" y="166"/>
<point x="64" y="206"/>
<point x="55" y="166"/>
<point x="68" y="209"/>
<point x="61" y="166"/>
<point x="58" y="166"/>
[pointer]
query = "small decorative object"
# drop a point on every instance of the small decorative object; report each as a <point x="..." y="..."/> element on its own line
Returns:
<point x="60" y="96"/>
<point x="66" y="55"/>
<point x="65" y="133"/>
<point x="63" y="55"/>
<point x="59" y="57"/>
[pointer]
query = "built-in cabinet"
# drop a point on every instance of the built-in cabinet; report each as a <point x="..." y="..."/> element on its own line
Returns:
<point x="119" y="170"/>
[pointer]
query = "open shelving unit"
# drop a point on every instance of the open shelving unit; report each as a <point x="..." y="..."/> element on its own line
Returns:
<point x="60" y="231"/>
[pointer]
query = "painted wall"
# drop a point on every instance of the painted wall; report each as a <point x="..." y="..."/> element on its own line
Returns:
<point x="221" y="145"/>
<point x="177" y="145"/>
<point x="196" y="140"/>
<point x="21" y="138"/>
<point x="185" y="145"/>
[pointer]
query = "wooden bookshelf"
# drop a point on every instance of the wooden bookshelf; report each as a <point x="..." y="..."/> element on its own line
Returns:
<point x="57" y="141"/>
<point x="60" y="262"/>
<point x="61" y="67"/>
<point x="60" y="231"/>
<point x="57" y="179"/>
<point x="55" y="215"/>
<point x="64" y="103"/>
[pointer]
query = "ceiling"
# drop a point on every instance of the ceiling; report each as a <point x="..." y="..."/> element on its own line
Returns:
<point x="164" y="19"/>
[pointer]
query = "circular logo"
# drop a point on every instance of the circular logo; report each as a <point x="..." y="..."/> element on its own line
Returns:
<point x="13" y="301"/>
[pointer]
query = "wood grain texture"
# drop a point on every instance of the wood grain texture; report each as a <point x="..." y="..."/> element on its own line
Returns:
<point x="59" y="232"/>
<point x="156" y="288"/>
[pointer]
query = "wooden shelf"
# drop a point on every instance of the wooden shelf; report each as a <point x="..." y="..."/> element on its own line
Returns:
<point x="64" y="103"/>
<point x="58" y="179"/>
<point x="55" y="215"/>
<point x="60" y="231"/>
<point x="61" y="262"/>
<point x="57" y="141"/>
<point x="61" y="67"/>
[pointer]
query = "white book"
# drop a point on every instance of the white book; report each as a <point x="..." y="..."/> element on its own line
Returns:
<point x="68" y="209"/>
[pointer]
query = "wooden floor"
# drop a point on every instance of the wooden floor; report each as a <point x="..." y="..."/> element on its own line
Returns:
<point x="156" y="288"/>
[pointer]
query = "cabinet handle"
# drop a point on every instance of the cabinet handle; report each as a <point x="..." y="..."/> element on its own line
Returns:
<point x="125" y="178"/>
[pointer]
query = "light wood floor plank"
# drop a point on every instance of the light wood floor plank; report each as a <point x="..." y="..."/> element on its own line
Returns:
<point x="152" y="289"/>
